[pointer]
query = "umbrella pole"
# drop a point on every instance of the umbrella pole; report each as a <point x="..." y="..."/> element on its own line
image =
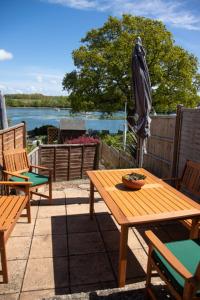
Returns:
<point x="3" y="115"/>
<point x="141" y="153"/>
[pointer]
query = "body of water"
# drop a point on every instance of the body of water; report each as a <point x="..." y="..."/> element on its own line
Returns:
<point x="36" y="117"/>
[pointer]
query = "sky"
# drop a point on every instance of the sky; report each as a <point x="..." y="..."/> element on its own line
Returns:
<point x="37" y="37"/>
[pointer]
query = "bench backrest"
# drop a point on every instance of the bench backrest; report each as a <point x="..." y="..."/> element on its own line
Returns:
<point x="191" y="177"/>
<point x="16" y="160"/>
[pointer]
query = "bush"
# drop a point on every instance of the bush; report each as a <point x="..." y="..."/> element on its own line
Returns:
<point x="82" y="140"/>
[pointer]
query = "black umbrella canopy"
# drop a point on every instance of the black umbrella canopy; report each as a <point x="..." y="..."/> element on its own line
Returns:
<point x="141" y="91"/>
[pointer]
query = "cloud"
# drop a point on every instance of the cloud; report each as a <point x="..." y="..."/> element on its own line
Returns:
<point x="5" y="55"/>
<point x="170" y="12"/>
<point x="38" y="81"/>
<point x="39" y="78"/>
<point x="79" y="4"/>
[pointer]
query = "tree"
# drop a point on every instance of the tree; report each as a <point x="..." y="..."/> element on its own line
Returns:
<point x="102" y="78"/>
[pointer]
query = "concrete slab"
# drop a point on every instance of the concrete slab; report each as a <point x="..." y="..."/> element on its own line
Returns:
<point x="18" y="248"/>
<point x="111" y="240"/>
<point x="51" y="210"/>
<point x="9" y="297"/>
<point x="46" y="273"/>
<point x="48" y="246"/>
<point x="53" y="225"/>
<point x="39" y="295"/>
<point x="23" y="229"/>
<point x="77" y="209"/>
<point x="83" y="243"/>
<point x="16" y="269"/>
<point x="89" y="269"/>
<point x="81" y="223"/>
<point x="106" y="222"/>
<point x="134" y="269"/>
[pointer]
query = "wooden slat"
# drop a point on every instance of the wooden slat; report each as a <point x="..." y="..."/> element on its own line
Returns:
<point x="155" y="201"/>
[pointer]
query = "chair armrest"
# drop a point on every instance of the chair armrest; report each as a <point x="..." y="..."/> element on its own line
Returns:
<point x="26" y="183"/>
<point x="41" y="168"/>
<point x="168" y="255"/>
<point x="16" y="175"/>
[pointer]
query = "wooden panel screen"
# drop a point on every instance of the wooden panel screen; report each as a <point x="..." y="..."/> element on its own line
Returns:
<point x="189" y="148"/>
<point x="160" y="146"/>
<point x="69" y="162"/>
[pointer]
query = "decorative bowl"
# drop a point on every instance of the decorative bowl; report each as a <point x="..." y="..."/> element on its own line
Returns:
<point x="134" y="180"/>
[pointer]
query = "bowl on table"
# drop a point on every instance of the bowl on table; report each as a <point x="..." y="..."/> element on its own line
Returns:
<point x="133" y="180"/>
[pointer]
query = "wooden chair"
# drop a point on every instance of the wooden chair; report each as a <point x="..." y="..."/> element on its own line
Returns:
<point x="189" y="182"/>
<point x="178" y="264"/>
<point x="17" y="168"/>
<point x="11" y="208"/>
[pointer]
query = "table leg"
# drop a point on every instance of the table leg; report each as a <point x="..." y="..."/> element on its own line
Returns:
<point x="194" y="232"/>
<point x="123" y="255"/>
<point x="91" y="199"/>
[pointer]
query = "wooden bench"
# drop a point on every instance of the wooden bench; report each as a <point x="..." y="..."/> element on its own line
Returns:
<point x="11" y="208"/>
<point x="189" y="182"/>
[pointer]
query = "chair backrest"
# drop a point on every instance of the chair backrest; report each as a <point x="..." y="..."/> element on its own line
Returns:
<point x="16" y="160"/>
<point x="191" y="177"/>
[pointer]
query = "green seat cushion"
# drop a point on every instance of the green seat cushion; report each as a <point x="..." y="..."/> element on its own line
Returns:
<point x="35" y="178"/>
<point x="188" y="253"/>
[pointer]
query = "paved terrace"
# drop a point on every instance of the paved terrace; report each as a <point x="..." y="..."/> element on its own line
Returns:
<point x="63" y="253"/>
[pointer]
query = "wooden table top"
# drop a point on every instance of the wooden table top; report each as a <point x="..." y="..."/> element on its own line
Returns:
<point x="155" y="201"/>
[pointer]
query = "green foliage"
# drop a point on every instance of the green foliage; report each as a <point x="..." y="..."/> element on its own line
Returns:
<point x="36" y="100"/>
<point x="116" y="141"/>
<point x="102" y="78"/>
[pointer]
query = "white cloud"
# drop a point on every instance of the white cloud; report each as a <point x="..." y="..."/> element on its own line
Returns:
<point x="5" y="55"/>
<point x="41" y="81"/>
<point x="169" y="11"/>
<point x="39" y="78"/>
<point x="80" y="4"/>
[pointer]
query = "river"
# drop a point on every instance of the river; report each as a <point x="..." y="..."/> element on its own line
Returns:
<point x="36" y="117"/>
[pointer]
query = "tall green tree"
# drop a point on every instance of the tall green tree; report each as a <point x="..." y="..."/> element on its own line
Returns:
<point x="102" y="78"/>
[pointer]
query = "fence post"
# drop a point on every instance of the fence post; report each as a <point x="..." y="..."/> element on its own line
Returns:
<point x="177" y="140"/>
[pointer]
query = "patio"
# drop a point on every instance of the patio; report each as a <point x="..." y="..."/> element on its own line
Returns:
<point x="62" y="253"/>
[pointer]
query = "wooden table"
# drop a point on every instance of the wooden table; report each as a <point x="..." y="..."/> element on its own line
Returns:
<point x="156" y="201"/>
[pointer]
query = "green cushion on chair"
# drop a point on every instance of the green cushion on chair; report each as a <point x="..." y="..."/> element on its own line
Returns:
<point x="188" y="253"/>
<point x="35" y="178"/>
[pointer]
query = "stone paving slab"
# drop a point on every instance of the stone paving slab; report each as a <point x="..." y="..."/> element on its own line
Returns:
<point x="16" y="269"/>
<point x="88" y="269"/>
<point x="84" y="243"/>
<point x="46" y="273"/>
<point x="18" y="248"/>
<point x="41" y="294"/>
<point x="81" y="223"/>
<point x="9" y="297"/>
<point x="63" y="252"/>
<point x="53" y="225"/>
<point x="49" y="246"/>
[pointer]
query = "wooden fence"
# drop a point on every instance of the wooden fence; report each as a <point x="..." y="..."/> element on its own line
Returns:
<point x="187" y="142"/>
<point x="69" y="161"/>
<point x="160" y="146"/>
<point x="113" y="158"/>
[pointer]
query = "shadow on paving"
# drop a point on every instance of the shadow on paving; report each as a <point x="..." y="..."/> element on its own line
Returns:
<point x="91" y="261"/>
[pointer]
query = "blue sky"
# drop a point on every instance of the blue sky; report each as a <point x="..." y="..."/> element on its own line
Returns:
<point x="38" y="36"/>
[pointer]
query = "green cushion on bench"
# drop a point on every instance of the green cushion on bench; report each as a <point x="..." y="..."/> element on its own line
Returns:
<point x="35" y="178"/>
<point x="188" y="253"/>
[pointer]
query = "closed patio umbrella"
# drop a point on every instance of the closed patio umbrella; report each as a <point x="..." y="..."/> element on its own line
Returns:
<point x="142" y="96"/>
<point x="3" y="115"/>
